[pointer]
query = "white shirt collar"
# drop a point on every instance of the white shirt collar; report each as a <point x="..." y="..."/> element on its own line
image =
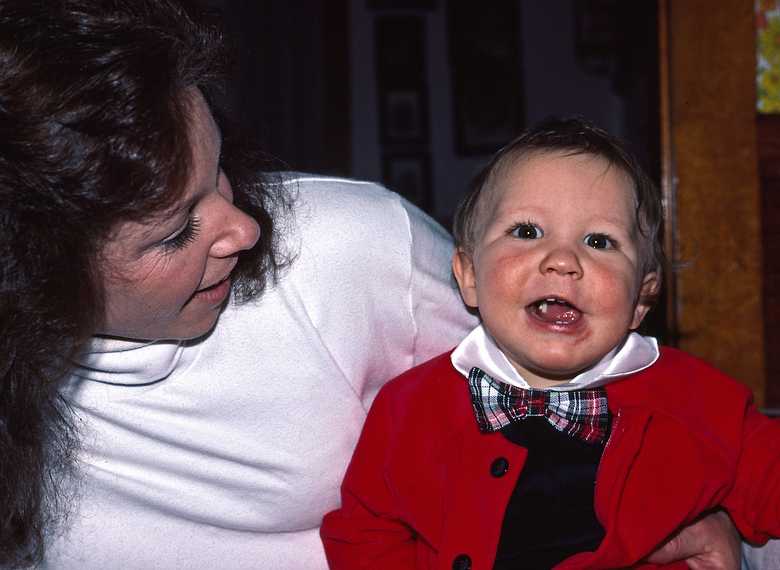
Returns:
<point x="479" y="349"/>
<point x="127" y="362"/>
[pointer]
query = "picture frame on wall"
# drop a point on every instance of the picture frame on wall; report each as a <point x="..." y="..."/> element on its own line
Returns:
<point x="487" y="75"/>
<point x="404" y="116"/>
<point x="401" y="79"/>
<point x="410" y="176"/>
<point x="387" y="5"/>
<point x="596" y="35"/>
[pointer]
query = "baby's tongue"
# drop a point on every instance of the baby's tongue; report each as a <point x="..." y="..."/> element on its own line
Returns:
<point x="560" y="313"/>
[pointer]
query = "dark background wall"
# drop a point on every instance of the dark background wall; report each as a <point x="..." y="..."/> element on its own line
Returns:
<point x="418" y="93"/>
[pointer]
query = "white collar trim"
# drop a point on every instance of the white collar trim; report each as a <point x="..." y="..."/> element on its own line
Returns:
<point x="479" y="349"/>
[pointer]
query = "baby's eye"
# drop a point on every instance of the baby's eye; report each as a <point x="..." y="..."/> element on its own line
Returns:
<point x="599" y="241"/>
<point x="527" y="231"/>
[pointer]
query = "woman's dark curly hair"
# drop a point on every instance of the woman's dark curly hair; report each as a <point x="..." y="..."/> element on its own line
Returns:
<point x="94" y="126"/>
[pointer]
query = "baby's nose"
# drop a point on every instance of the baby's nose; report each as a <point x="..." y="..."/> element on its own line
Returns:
<point x="562" y="261"/>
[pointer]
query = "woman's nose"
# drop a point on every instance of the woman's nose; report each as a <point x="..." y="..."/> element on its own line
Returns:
<point x="238" y="232"/>
<point x="562" y="261"/>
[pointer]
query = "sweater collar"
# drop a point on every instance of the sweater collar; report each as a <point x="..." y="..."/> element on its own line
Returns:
<point x="127" y="362"/>
<point x="479" y="349"/>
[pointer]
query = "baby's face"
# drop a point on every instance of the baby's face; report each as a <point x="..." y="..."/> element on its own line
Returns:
<point x="556" y="272"/>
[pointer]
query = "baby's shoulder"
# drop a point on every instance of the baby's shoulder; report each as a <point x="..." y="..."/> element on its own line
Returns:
<point x="683" y="370"/>
<point x="683" y="386"/>
<point x="432" y="384"/>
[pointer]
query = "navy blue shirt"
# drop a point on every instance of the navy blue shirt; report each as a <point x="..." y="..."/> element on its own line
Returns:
<point x="550" y="515"/>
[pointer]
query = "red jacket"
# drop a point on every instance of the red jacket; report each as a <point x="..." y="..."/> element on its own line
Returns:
<point x="419" y="492"/>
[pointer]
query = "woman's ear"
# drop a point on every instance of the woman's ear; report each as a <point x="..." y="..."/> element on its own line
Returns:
<point x="463" y="269"/>
<point x="648" y="292"/>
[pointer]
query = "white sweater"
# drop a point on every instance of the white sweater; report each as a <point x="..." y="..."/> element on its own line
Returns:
<point x="766" y="557"/>
<point x="225" y="453"/>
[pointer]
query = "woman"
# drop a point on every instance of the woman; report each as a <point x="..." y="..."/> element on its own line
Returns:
<point x="120" y="222"/>
<point x="187" y="351"/>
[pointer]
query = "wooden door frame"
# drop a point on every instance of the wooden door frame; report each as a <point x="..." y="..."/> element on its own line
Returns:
<point x="710" y="184"/>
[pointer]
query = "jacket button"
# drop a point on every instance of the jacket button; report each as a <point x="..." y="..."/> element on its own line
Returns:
<point x="499" y="467"/>
<point x="461" y="562"/>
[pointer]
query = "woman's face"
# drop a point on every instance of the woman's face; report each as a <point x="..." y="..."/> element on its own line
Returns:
<point x="169" y="277"/>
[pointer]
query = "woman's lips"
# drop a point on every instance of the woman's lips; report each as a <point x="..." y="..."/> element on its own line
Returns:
<point x="216" y="293"/>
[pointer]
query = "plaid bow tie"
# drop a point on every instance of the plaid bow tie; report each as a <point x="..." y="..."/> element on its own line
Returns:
<point x="582" y="414"/>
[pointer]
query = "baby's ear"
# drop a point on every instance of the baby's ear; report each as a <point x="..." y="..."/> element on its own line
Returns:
<point x="463" y="269"/>
<point x="648" y="292"/>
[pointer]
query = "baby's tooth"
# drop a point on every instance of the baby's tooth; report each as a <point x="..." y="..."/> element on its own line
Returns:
<point x="543" y="307"/>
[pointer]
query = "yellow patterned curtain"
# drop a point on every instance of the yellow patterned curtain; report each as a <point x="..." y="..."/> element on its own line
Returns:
<point x="768" y="55"/>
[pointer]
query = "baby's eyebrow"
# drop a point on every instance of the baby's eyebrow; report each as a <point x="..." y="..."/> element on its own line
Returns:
<point x="615" y="221"/>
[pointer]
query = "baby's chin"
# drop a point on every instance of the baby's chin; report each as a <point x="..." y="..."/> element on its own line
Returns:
<point x="550" y="375"/>
<point x="541" y="381"/>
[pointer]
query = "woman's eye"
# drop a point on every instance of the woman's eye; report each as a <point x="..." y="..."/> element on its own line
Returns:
<point x="527" y="231"/>
<point x="182" y="237"/>
<point x="599" y="241"/>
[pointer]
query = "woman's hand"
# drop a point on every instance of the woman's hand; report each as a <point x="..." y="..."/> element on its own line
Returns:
<point x="710" y="543"/>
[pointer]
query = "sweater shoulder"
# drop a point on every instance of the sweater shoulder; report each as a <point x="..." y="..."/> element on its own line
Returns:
<point x="327" y="194"/>
<point x="342" y="225"/>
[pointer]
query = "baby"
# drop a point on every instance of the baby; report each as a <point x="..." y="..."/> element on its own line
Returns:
<point x="554" y="434"/>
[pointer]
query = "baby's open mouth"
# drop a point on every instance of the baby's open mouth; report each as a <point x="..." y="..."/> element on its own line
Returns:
<point x="555" y="310"/>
